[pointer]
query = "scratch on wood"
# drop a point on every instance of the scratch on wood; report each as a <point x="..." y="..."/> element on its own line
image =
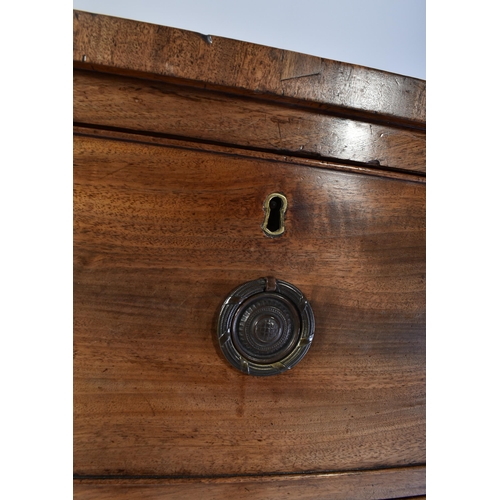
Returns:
<point x="183" y="302"/>
<point x="301" y="76"/>
<point x="150" y="405"/>
<point x="114" y="172"/>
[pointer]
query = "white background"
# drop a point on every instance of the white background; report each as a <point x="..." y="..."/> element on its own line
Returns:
<point x="462" y="229"/>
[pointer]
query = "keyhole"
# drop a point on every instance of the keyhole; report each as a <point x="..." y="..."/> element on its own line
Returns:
<point x="274" y="221"/>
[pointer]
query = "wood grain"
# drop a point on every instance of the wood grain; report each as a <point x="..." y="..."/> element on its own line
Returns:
<point x="175" y="142"/>
<point x="124" y="46"/>
<point x="156" y="107"/>
<point x="360" y="485"/>
<point x="162" y="235"/>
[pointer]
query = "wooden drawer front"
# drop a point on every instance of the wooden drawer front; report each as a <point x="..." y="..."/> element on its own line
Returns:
<point x="158" y="108"/>
<point x="162" y="235"/>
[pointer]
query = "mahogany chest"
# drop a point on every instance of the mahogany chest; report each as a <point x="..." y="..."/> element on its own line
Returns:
<point x="182" y="143"/>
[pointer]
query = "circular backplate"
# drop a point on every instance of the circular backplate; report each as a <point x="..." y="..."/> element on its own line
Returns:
<point x="265" y="327"/>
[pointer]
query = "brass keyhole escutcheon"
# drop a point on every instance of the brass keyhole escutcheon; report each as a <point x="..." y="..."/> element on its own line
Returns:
<point x="274" y="221"/>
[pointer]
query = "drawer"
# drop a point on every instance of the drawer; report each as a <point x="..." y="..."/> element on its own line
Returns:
<point x="162" y="236"/>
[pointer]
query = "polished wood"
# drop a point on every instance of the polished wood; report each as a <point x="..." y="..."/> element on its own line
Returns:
<point x="112" y="44"/>
<point x="161" y="238"/>
<point x="359" y="485"/>
<point x="90" y="131"/>
<point x="179" y="139"/>
<point x="149" y="106"/>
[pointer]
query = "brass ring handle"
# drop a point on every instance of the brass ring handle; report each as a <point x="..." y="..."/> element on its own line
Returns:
<point x="265" y="327"/>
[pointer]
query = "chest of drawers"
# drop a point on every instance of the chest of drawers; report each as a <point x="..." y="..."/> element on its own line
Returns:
<point x="179" y="140"/>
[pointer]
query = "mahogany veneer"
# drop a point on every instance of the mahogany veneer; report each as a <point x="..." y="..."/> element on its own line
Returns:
<point x="179" y="139"/>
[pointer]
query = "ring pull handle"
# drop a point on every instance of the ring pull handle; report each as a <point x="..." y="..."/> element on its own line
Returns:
<point x="265" y="327"/>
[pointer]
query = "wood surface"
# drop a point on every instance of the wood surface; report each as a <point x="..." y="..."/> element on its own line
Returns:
<point x="359" y="485"/>
<point x="180" y="137"/>
<point x="156" y="107"/>
<point x="88" y="130"/>
<point x="124" y="46"/>
<point x="162" y="235"/>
